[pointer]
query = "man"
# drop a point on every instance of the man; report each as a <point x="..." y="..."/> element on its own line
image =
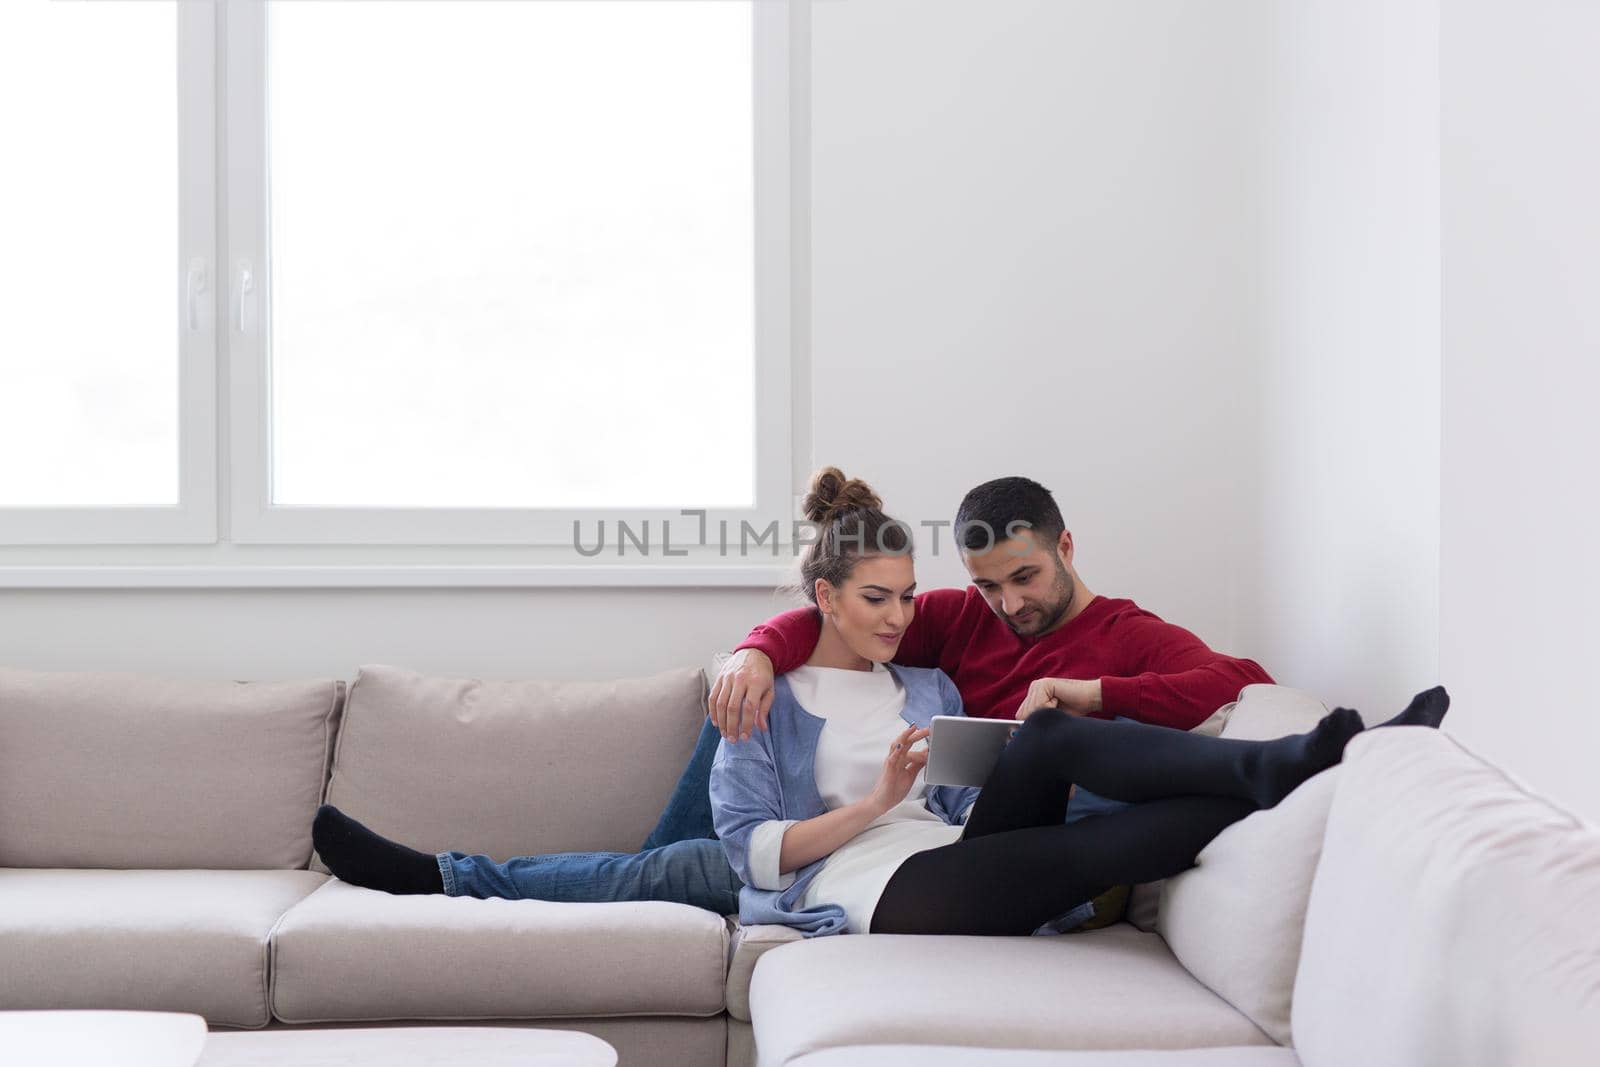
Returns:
<point x="1027" y="634"/>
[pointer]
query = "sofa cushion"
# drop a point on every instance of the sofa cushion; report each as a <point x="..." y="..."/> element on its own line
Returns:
<point x="1112" y="988"/>
<point x="948" y="1056"/>
<point x="749" y="944"/>
<point x="1268" y="711"/>
<point x="351" y="954"/>
<point x="513" y="768"/>
<point x="187" y="941"/>
<point x="1452" y="919"/>
<point x="1235" y="919"/>
<point x="130" y="771"/>
<point x="1261" y="713"/>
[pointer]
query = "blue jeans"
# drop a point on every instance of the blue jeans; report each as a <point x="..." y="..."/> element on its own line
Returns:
<point x="692" y="872"/>
<point x="682" y="861"/>
<point x="688" y="811"/>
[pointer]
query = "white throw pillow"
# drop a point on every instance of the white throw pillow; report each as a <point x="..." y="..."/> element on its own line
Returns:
<point x="1268" y="711"/>
<point x="1235" y="919"/>
<point x="1261" y="713"/>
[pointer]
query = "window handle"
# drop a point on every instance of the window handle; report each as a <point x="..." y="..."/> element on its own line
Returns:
<point x="194" y="286"/>
<point x="247" y="288"/>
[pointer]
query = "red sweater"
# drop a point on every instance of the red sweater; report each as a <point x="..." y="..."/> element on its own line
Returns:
<point x="1149" y="670"/>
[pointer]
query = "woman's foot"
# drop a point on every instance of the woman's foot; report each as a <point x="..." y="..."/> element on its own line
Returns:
<point x="1289" y="761"/>
<point x="357" y="855"/>
<point x="1427" y="708"/>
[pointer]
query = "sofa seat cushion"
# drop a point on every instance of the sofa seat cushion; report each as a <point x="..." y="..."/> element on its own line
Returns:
<point x="947" y="1056"/>
<point x="185" y="941"/>
<point x="357" y="955"/>
<point x="1115" y="988"/>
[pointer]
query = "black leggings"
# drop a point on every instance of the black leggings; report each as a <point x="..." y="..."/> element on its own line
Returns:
<point x="1018" y="866"/>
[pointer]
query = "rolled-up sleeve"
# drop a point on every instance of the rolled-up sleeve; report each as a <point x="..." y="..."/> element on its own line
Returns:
<point x="766" y="846"/>
<point x="744" y="798"/>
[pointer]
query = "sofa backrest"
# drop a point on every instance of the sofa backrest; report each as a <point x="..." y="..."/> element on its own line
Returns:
<point x="1452" y="919"/>
<point x="511" y="768"/>
<point x="129" y="771"/>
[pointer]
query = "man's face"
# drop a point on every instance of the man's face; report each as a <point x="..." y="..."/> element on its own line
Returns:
<point x="1025" y="582"/>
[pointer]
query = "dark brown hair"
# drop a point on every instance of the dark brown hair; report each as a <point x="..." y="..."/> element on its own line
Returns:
<point x="994" y="511"/>
<point x="851" y="525"/>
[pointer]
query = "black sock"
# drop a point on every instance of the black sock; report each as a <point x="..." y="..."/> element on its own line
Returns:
<point x="1289" y="761"/>
<point x="1427" y="708"/>
<point x="357" y="855"/>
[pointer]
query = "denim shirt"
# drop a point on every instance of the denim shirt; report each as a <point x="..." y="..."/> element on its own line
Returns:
<point x="773" y="776"/>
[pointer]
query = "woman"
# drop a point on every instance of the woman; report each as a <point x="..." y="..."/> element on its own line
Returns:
<point x="830" y="834"/>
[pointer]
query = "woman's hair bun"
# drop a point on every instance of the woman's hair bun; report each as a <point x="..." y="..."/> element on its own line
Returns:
<point x="832" y="494"/>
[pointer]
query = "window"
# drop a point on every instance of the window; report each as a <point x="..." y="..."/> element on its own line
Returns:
<point x="489" y="268"/>
<point x="106" y="343"/>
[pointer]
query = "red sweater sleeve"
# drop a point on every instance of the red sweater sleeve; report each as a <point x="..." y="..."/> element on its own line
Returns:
<point x="1176" y="679"/>
<point x="931" y="627"/>
<point x="788" y="639"/>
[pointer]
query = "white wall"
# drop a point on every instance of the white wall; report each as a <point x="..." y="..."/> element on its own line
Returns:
<point x="1349" y="446"/>
<point x="1034" y="253"/>
<point x="1519" y="579"/>
<point x="268" y="634"/>
<point x="1034" y="241"/>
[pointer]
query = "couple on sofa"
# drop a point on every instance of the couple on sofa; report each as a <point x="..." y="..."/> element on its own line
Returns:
<point x="804" y="803"/>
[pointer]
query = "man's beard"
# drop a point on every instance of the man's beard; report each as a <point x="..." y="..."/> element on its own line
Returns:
<point x="1062" y="594"/>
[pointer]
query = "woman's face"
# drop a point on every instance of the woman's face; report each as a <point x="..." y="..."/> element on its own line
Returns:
<point x="873" y="607"/>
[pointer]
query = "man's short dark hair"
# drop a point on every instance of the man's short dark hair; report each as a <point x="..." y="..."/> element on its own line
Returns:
<point x="994" y="510"/>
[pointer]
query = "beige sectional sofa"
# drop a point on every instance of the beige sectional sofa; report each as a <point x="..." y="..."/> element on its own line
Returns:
<point x="155" y="853"/>
<point x="1445" y="915"/>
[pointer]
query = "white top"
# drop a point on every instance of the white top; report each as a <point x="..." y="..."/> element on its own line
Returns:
<point x="861" y="713"/>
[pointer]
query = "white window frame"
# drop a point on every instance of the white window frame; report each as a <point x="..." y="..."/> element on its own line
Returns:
<point x="193" y="520"/>
<point x="254" y="520"/>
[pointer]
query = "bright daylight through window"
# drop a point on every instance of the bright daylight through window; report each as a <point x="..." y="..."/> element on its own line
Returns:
<point x="511" y="254"/>
<point x="88" y="254"/>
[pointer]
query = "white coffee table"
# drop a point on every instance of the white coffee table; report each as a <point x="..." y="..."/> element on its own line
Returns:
<point x="407" y="1046"/>
<point x="85" y="1038"/>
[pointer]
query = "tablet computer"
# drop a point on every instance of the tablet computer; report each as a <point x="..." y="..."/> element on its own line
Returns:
<point x="962" y="751"/>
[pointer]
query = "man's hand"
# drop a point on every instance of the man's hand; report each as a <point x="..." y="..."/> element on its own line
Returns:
<point x="742" y="695"/>
<point x="1073" y="696"/>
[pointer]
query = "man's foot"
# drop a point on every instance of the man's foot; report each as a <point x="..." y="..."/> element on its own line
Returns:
<point x="1427" y="708"/>
<point x="357" y="855"/>
<point x="1289" y="761"/>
